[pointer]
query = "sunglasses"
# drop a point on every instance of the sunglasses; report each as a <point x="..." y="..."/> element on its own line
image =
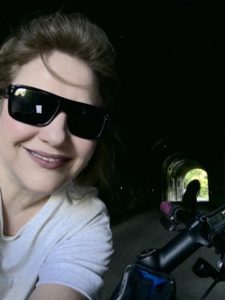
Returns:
<point x="37" y="107"/>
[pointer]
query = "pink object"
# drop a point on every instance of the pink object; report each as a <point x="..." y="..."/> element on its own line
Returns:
<point x="166" y="207"/>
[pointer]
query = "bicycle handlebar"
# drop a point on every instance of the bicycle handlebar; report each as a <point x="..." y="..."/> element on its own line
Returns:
<point x="202" y="231"/>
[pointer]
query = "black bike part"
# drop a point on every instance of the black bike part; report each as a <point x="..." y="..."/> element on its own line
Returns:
<point x="178" y="249"/>
<point x="204" y="269"/>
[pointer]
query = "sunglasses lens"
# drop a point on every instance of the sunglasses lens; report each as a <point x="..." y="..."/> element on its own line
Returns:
<point x="85" y="121"/>
<point x="36" y="107"/>
<point x="30" y="107"/>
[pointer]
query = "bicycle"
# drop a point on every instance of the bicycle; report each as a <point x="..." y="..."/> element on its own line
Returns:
<point x="149" y="277"/>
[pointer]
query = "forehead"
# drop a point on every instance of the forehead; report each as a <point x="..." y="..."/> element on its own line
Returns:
<point x="60" y="74"/>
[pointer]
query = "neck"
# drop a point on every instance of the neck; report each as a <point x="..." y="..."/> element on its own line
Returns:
<point x="15" y="194"/>
<point x="19" y="205"/>
<point x="16" y="213"/>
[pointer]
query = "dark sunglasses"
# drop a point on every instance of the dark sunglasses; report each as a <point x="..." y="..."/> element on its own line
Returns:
<point x="37" y="107"/>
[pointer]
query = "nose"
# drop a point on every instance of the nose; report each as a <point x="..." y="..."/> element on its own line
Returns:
<point x="56" y="132"/>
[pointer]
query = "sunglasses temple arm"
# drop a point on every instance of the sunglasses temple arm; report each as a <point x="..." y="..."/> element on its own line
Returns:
<point x="103" y="125"/>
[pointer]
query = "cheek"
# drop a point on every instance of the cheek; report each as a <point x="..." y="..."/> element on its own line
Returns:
<point x="10" y="127"/>
<point x="84" y="148"/>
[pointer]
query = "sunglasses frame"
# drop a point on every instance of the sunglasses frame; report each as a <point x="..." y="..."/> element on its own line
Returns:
<point x="62" y="105"/>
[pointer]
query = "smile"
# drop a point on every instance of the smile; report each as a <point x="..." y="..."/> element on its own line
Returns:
<point x="48" y="161"/>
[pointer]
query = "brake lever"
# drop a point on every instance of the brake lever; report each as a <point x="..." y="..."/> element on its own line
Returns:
<point x="170" y="224"/>
<point x="204" y="269"/>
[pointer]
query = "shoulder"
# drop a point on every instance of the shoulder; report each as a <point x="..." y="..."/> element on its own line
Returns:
<point x="77" y="207"/>
<point x="73" y="200"/>
<point x="84" y="200"/>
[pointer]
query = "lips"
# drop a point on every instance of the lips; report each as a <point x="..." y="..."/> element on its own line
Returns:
<point x="46" y="160"/>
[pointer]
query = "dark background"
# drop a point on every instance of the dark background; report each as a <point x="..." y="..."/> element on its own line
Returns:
<point x="170" y="64"/>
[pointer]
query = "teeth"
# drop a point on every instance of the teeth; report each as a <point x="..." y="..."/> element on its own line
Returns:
<point x="49" y="159"/>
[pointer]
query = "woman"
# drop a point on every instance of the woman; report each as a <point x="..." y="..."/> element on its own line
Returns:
<point x="55" y="74"/>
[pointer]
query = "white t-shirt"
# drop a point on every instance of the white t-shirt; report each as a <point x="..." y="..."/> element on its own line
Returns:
<point x="68" y="242"/>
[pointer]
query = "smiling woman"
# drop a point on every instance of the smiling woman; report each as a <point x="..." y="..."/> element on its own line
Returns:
<point x="55" y="74"/>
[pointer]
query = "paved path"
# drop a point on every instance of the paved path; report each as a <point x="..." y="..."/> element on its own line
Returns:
<point x="145" y="231"/>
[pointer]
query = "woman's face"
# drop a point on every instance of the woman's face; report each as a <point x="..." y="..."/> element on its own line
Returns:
<point x="42" y="159"/>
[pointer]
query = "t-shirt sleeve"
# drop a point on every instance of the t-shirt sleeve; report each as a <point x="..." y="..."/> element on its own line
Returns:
<point x="81" y="260"/>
